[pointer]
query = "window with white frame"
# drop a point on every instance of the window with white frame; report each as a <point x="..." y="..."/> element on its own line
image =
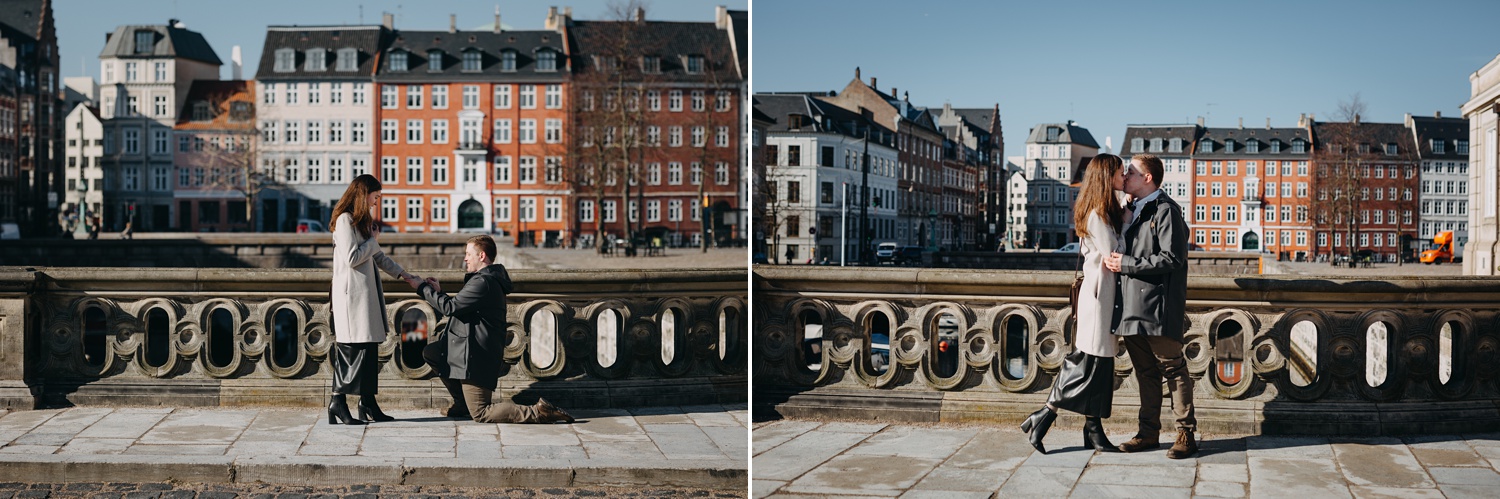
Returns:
<point x="653" y="210"/>
<point x="439" y="170"/>
<point x="721" y="173"/>
<point x="413" y="96"/>
<point x="528" y="170"/>
<point x="159" y="105"/>
<point x="292" y="92"/>
<point x="336" y="131"/>
<point x="471" y="96"/>
<point x="502" y="96"/>
<point x="314" y="94"/>
<point x="699" y="101"/>
<point x="336" y="170"/>
<point x="528" y="96"/>
<point x="653" y="135"/>
<point x="357" y="132"/>
<point x="528" y="131"/>
<point x="357" y="167"/>
<point x="388" y="208"/>
<point x="721" y="136"/>
<point x="674" y="100"/>
<point x="608" y="210"/>
<point x="585" y="210"/>
<point x="291" y="131"/>
<point x="553" y="173"/>
<point x="414" y="209"/>
<point x="695" y="176"/>
<point x="159" y="141"/>
<point x="388" y="169"/>
<point x="653" y="174"/>
<point x="502" y="130"/>
<point x="439" y="210"/>
<point x="502" y="169"/>
<point x="554" y="131"/>
<point x="414" y="131"/>
<point x="388" y="96"/>
<point x="440" y="131"/>
<point x="472" y="59"/>
<point x="502" y="209"/>
<point x="291" y="170"/>
<point x="653" y="100"/>
<point x="414" y="170"/>
<point x="546" y="60"/>
<point x="699" y="137"/>
<point x="267" y="94"/>
<point x="528" y="209"/>
<point x="674" y="173"/>
<point x="674" y="136"/>
<point x="552" y="209"/>
<point x="554" y="97"/>
<point x="440" y="97"/>
<point x="315" y="131"/>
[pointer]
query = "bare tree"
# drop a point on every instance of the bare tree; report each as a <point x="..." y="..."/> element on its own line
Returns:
<point x="716" y="83"/>
<point x="227" y="162"/>
<point x="1340" y="151"/>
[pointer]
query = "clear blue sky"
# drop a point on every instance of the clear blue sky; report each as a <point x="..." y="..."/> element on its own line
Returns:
<point x="82" y="24"/>
<point x="1108" y="64"/>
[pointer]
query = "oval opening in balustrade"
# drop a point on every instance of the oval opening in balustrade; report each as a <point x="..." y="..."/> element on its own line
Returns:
<point x="1377" y="337"/>
<point x="1229" y="352"/>
<point x="607" y="337"/>
<point x="1016" y="337"/>
<point x="811" y="326"/>
<point x="729" y="324"/>
<point x="221" y="338"/>
<point x="415" y="328"/>
<point x="945" y="344"/>
<point x="95" y="336"/>
<point x="1445" y="351"/>
<point x="543" y="338"/>
<point x="158" y="338"/>
<point x="1302" y="364"/>
<point x="669" y="336"/>
<point x="879" y="328"/>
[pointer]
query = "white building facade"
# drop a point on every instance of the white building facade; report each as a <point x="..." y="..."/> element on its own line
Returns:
<point x="1055" y="154"/>
<point x="1481" y="110"/>
<point x="84" y="163"/>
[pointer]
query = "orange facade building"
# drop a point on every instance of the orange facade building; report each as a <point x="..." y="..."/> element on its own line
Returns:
<point x="215" y="147"/>
<point x="1251" y="191"/>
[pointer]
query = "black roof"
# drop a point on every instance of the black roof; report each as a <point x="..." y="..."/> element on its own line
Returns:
<point x="1376" y="135"/>
<point x="672" y="41"/>
<point x="979" y="118"/>
<point x="1071" y="134"/>
<point x="168" y="41"/>
<point x="1242" y="136"/>
<point x="23" y="16"/>
<point x="1187" y="133"/>
<point x="1448" y="130"/>
<point x="490" y="45"/>
<point x="820" y="116"/>
<point x="366" y="40"/>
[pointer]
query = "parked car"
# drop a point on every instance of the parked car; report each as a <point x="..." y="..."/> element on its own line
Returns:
<point x="10" y="231"/>
<point x="307" y="225"/>
<point x="910" y="256"/>
<point x="885" y="253"/>
<point x="1067" y="248"/>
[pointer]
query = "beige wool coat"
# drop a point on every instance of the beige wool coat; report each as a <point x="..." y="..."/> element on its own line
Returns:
<point x="1097" y="298"/>
<point x="358" y="306"/>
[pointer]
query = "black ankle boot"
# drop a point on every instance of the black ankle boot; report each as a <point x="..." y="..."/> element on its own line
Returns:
<point x="338" y="411"/>
<point x="1094" y="437"/>
<point x="1037" y="425"/>
<point x="369" y="410"/>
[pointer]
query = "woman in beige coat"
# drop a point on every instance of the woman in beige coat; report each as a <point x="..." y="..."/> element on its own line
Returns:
<point x="1085" y="384"/>
<point x="358" y="304"/>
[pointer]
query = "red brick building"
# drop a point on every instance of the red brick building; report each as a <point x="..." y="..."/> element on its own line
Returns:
<point x="215" y="144"/>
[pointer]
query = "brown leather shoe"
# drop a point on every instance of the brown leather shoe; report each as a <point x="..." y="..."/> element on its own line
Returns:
<point x="548" y="413"/>
<point x="1137" y="444"/>
<point x="455" y="412"/>
<point x="1185" y="446"/>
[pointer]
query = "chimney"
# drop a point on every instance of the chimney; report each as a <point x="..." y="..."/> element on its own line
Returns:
<point x="388" y="20"/>
<point x="171" y="23"/>
<point x="1242" y="123"/>
<point x="553" y="23"/>
<point x="893" y="92"/>
<point x="1268" y="123"/>
<point x="1356" y="118"/>
<point x="234" y="62"/>
<point x="452" y="23"/>
<point x="1200" y="121"/>
<point x="1437" y="114"/>
<point x="872" y="83"/>
<point x="721" y="17"/>
<point x="497" y="18"/>
<point x="640" y="14"/>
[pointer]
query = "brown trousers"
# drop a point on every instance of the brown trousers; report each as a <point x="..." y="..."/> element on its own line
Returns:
<point x="483" y="410"/>
<point x="1154" y="358"/>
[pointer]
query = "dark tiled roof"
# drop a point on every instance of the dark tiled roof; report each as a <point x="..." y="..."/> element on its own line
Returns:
<point x="1242" y="136"/>
<point x="490" y="45"/>
<point x="824" y="116"/>
<point x="24" y="16"/>
<point x="1071" y="134"/>
<point x="671" y="41"/>
<point x="779" y="107"/>
<point x="977" y="117"/>
<point x="1376" y="135"/>
<point x="366" y="40"/>
<point x="1187" y="133"/>
<point x="169" y="42"/>
<point x="1448" y="130"/>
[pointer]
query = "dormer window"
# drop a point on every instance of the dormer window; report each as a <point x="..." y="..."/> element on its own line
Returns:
<point x="1053" y="133"/>
<point x="1252" y="146"/>
<point x="145" y="42"/>
<point x="1438" y="146"/>
<point x="434" y="60"/>
<point x="317" y="60"/>
<point x="201" y="111"/>
<point x="348" y="60"/>
<point x="1155" y="145"/>
<point x="650" y="64"/>
<point x="1275" y="146"/>
<point x="1299" y="146"/>
<point x="695" y="64"/>
<point x="1229" y="145"/>
<point x="239" y="112"/>
<point x="472" y="58"/>
<point x="1137" y="144"/>
<point x="1176" y="145"/>
<point x="546" y="60"/>
<point x="508" y="60"/>
<point x="1364" y="149"/>
<point x="286" y="60"/>
<point x="1208" y="146"/>
<point x="1390" y="149"/>
<point x="398" y="60"/>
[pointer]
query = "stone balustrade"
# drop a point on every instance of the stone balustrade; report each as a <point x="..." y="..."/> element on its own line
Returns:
<point x="233" y="250"/>
<point x="1270" y="355"/>
<point x="228" y="337"/>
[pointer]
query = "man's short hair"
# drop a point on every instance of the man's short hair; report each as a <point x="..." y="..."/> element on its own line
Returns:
<point x="486" y="245"/>
<point x="1153" y="166"/>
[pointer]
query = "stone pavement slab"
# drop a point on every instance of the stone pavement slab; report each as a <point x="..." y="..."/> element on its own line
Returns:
<point x="802" y="458"/>
<point x="701" y="447"/>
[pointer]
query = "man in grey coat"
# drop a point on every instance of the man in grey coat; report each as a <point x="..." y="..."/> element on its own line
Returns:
<point x="469" y="357"/>
<point x="1151" y="305"/>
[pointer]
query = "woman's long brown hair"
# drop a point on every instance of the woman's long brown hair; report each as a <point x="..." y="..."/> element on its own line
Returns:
<point x="1098" y="194"/>
<point x="356" y="202"/>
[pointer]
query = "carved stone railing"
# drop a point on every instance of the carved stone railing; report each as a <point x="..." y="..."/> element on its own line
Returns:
<point x="1293" y="355"/>
<point x="225" y="337"/>
<point x="233" y="250"/>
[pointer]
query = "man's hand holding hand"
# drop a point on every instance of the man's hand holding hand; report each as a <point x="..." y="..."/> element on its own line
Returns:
<point x="434" y="282"/>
